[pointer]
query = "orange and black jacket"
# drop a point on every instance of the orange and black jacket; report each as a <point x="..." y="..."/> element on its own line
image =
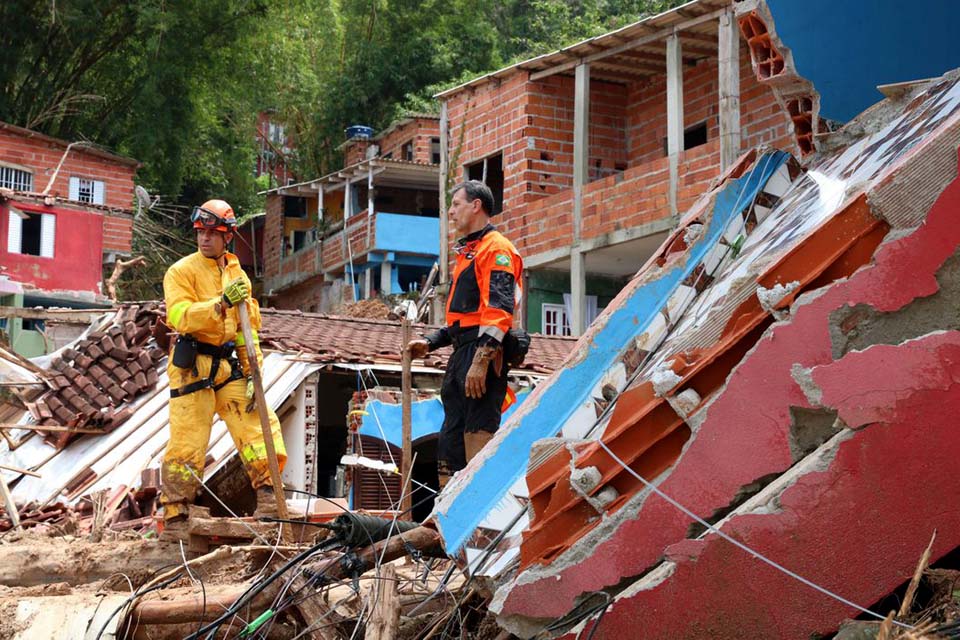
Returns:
<point x="485" y="290"/>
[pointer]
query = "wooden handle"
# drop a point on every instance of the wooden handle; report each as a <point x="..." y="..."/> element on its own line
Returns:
<point x="261" y="402"/>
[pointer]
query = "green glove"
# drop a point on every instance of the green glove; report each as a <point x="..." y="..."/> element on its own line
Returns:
<point x="235" y="292"/>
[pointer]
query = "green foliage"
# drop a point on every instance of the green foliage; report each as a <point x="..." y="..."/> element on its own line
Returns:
<point x="178" y="85"/>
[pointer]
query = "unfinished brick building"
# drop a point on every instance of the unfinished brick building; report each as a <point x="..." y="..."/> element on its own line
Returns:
<point x="384" y="200"/>
<point x="593" y="151"/>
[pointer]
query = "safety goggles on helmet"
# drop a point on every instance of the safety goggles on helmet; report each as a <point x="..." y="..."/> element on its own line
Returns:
<point x="209" y="219"/>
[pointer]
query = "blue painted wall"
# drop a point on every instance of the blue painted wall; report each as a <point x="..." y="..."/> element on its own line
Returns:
<point x="847" y="47"/>
<point x="426" y="419"/>
<point x="409" y="234"/>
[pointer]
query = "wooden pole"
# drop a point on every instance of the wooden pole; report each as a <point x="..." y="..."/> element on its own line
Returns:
<point x="261" y="401"/>
<point x="406" y="384"/>
<point x="19" y="470"/>
<point x="423" y="539"/>
<point x="385" y="606"/>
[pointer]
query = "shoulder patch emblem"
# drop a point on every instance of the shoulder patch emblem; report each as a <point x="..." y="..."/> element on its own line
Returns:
<point x="502" y="260"/>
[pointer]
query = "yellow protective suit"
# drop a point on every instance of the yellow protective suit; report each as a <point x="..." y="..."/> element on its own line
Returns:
<point x="193" y="290"/>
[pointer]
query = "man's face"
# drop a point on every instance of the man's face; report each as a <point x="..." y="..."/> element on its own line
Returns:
<point x="464" y="213"/>
<point x="212" y="243"/>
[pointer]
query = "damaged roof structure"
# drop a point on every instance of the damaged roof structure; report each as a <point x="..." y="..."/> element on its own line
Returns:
<point x="753" y="439"/>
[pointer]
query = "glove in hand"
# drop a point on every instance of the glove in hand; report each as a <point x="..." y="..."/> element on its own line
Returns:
<point x="418" y="348"/>
<point x="235" y="292"/>
<point x="475" y="384"/>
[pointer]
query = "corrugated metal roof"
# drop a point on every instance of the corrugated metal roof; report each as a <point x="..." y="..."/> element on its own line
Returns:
<point x="94" y="462"/>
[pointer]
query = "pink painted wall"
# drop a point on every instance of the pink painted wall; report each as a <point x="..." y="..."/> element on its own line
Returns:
<point x="77" y="251"/>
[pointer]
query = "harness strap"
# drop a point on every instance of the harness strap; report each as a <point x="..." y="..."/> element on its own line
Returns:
<point x="207" y="383"/>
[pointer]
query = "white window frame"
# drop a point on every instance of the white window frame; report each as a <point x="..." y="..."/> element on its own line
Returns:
<point x="15" y="178"/>
<point x="560" y="326"/>
<point x="48" y="232"/>
<point x="87" y="190"/>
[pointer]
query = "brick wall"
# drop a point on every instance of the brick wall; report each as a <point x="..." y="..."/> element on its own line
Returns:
<point x="272" y="235"/>
<point x="306" y="296"/>
<point x="531" y="123"/>
<point x="42" y="156"/>
<point x="117" y="232"/>
<point x="493" y="118"/>
<point x="419" y="130"/>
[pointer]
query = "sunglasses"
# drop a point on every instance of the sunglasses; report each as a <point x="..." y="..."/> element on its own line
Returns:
<point x="209" y="219"/>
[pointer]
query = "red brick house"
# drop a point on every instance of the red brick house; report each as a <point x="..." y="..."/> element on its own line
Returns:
<point x="370" y="228"/>
<point x="65" y="215"/>
<point x="594" y="150"/>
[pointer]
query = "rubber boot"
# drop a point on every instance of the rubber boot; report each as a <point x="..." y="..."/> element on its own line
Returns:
<point x="266" y="503"/>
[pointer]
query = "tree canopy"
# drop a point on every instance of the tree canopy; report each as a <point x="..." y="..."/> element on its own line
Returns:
<point x="178" y="85"/>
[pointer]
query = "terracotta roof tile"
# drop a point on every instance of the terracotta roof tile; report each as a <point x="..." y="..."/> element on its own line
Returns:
<point x="100" y="373"/>
<point x="355" y="340"/>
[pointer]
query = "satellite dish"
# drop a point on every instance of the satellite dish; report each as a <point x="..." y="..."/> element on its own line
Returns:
<point x="143" y="197"/>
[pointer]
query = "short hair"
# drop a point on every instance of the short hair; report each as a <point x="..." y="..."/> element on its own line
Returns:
<point x="476" y="190"/>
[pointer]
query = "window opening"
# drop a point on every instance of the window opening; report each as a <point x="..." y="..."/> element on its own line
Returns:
<point x="490" y="171"/>
<point x="555" y="320"/>
<point x="294" y="207"/>
<point x="16" y="179"/>
<point x="694" y="136"/>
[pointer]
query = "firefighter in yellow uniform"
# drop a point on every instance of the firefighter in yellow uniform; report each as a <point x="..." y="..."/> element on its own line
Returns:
<point x="209" y="370"/>
<point x="484" y="293"/>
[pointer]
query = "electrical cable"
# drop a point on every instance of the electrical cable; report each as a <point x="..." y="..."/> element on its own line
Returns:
<point x="134" y="596"/>
<point x="203" y="589"/>
<point x="257" y="588"/>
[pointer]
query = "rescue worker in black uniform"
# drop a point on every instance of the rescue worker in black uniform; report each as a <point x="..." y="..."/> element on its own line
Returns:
<point x="484" y="293"/>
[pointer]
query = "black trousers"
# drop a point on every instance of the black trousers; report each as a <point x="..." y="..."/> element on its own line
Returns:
<point x="462" y="414"/>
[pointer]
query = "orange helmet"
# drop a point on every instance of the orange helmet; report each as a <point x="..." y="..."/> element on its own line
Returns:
<point x="214" y="214"/>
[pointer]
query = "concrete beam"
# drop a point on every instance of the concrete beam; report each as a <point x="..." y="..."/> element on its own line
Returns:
<point x="729" y="89"/>
<point x="674" y="115"/>
<point x="581" y="159"/>
<point x="546" y="258"/>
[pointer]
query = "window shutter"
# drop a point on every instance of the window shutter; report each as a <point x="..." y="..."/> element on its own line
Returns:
<point x="74" y="188"/>
<point x="98" y="192"/>
<point x="13" y="232"/>
<point x="48" y="225"/>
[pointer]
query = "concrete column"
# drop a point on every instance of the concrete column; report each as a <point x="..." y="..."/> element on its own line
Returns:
<point x="674" y="115"/>
<point x="370" y="190"/>
<point x="367" y="282"/>
<point x="386" y="277"/>
<point x="581" y="157"/>
<point x="728" y="46"/>
<point x="444" y="259"/>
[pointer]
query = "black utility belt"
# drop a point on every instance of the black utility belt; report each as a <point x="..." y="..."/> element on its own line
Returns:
<point x="185" y="353"/>
<point x="186" y="349"/>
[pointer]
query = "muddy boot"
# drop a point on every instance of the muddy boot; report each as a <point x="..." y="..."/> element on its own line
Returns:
<point x="175" y="529"/>
<point x="266" y="503"/>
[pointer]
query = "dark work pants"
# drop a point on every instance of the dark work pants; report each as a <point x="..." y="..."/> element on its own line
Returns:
<point x="462" y="414"/>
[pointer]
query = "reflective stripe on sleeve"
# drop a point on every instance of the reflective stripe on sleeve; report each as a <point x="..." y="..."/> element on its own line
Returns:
<point x="176" y="313"/>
